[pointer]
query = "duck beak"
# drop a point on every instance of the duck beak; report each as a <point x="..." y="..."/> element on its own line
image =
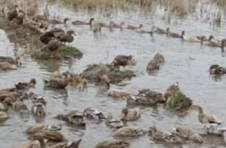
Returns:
<point x="101" y="116"/>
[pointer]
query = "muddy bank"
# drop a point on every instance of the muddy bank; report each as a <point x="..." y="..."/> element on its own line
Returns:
<point x="27" y="36"/>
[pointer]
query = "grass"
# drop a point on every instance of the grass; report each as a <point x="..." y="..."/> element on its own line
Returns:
<point x="69" y="50"/>
<point x="177" y="100"/>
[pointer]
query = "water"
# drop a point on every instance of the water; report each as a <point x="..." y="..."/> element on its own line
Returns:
<point x="187" y="63"/>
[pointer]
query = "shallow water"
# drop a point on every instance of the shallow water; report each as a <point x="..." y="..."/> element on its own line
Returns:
<point x="186" y="63"/>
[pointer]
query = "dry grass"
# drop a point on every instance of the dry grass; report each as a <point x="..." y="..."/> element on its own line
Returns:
<point x="177" y="7"/>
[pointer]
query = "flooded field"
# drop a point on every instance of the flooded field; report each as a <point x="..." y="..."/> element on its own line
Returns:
<point x="186" y="63"/>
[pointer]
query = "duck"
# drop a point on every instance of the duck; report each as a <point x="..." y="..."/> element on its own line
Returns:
<point x="3" y="116"/>
<point x="171" y="90"/>
<point x="191" y="39"/>
<point x="47" y="36"/>
<point x="92" y="113"/>
<point x="119" y="94"/>
<point x="174" y="35"/>
<point x="6" y="66"/>
<point x="112" y="144"/>
<point x="50" y="135"/>
<point x="20" y="17"/>
<point x="6" y="104"/>
<point x="159" y="58"/>
<point x="154" y="94"/>
<point x="204" y="38"/>
<point x="129" y="132"/>
<point x="130" y="27"/>
<point x="73" y="117"/>
<point x="57" y="83"/>
<point x="146" y="97"/>
<point x="96" y="28"/>
<point x="83" y="84"/>
<point x="216" y="43"/>
<point x="160" y="30"/>
<point x="215" y="69"/>
<point x="20" y="107"/>
<point x="153" y="66"/>
<point x="132" y="114"/>
<point x="77" y="22"/>
<point x="30" y="144"/>
<point x="33" y="129"/>
<point x="163" y="136"/>
<point x="67" y="37"/>
<point x="142" y="31"/>
<point x="25" y="85"/>
<point x="113" y="123"/>
<point x="38" y="109"/>
<point x="114" y="25"/>
<point x="67" y="144"/>
<point x="53" y="45"/>
<point x="13" y="13"/>
<point x="187" y="134"/>
<point x="205" y="119"/>
<point x="10" y="60"/>
<point x="58" y="21"/>
<point x="122" y="60"/>
<point x="106" y="80"/>
<point x="215" y="129"/>
<point x="38" y="99"/>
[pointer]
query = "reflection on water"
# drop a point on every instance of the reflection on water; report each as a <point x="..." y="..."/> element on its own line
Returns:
<point x="186" y="63"/>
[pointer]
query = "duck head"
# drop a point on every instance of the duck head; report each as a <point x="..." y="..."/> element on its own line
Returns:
<point x="141" y="26"/>
<point x="32" y="82"/>
<point x="125" y="112"/>
<point x="99" y="114"/>
<point x="182" y="34"/>
<point x="66" y="20"/>
<point x="78" y="119"/>
<point x="70" y="32"/>
<point x="152" y="131"/>
<point x="211" y="37"/>
<point x="38" y="109"/>
<point x="39" y="99"/>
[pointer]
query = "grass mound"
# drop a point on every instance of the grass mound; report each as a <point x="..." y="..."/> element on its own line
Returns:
<point x="179" y="102"/>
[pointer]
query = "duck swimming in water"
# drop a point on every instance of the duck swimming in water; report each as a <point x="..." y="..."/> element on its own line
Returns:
<point x="112" y="144"/>
<point x="132" y="114"/>
<point x="92" y="113"/>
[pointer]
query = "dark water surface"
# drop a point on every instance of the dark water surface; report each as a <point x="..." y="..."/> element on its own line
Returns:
<point x="187" y="63"/>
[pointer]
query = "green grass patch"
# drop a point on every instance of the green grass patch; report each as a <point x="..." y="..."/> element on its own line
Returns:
<point x="66" y="50"/>
<point x="177" y="101"/>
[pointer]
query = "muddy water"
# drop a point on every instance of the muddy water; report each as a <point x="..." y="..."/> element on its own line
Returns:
<point x="186" y="63"/>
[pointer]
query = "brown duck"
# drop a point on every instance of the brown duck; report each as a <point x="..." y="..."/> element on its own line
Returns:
<point x="122" y="60"/>
<point x="66" y="37"/>
<point x="174" y="35"/>
<point x="47" y="36"/>
<point x="73" y="117"/>
<point x="131" y="27"/>
<point x="25" y="85"/>
<point x="10" y="60"/>
<point x="58" y="83"/>
<point x="13" y="13"/>
<point x="77" y="22"/>
<point x="20" y="107"/>
<point x="112" y="144"/>
<point x="59" y="22"/>
<point x="53" y="45"/>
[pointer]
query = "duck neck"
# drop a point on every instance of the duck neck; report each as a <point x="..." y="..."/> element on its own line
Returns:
<point x="200" y="110"/>
<point x="6" y="106"/>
